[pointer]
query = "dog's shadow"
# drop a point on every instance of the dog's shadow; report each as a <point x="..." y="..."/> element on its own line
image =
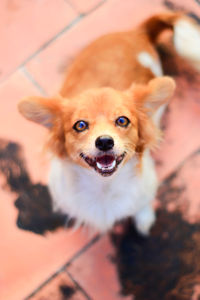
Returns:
<point x="165" y="265"/>
<point x="33" y="202"/>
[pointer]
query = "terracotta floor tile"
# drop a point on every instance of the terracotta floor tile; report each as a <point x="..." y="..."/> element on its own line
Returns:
<point x="49" y="65"/>
<point x="182" y="188"/>
<point x="27" y="259"/>
<point x="181" y="123"/>
<point x="84" y="6"/>
<point x="27" y="25"/>
<point x="163" y="266"/>
<point x="96" y="273"/>
<point x="15" y="128"/>
<point x="59" y="288"/>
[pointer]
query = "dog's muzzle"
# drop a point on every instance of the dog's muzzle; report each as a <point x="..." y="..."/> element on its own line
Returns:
<point x="104" y="163"/>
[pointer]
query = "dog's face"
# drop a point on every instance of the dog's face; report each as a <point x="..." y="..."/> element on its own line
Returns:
<point x="101" y="128"/>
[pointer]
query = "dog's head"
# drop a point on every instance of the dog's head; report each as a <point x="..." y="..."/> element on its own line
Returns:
<point x="101" y="128"/>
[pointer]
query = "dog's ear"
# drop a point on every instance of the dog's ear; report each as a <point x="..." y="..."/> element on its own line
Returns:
<point x="147" y="99"/>
<point x="41" y="110"/>
<point x="159" y="91"/>
<point x="49" y="113"/>
<point x="151" y="96"/>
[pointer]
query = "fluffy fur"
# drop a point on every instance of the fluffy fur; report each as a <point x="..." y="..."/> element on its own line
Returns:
<point x="118" y="75"/>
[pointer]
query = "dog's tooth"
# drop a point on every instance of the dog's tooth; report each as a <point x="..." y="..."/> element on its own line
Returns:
<point x="113" y="164"/>
<point x="99" y="166"/>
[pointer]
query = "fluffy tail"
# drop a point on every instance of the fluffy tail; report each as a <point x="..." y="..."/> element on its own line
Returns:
<point x="186" y="34"/>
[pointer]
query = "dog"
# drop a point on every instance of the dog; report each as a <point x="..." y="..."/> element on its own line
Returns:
<point x="105" y="121"/>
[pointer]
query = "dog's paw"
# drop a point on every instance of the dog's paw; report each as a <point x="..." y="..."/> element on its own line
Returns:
<point x="144" y="220"/>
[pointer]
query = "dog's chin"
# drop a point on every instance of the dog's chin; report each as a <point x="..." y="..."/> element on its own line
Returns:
<point x="105" y="164"/>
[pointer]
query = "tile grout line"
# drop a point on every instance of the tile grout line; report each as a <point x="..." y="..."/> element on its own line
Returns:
<point x="80" y="252"/>
<point x="62" y="269"/>
<point x="81" y="289"/>
<point x="54" y="38"/>
<point x="32" y="80"/>
<point x="60" y="33"/>
<point x="101" y="2"/>
<point x="97" y="6"/>
<point x="180" y="165"/>
<point x="44" y="46"/>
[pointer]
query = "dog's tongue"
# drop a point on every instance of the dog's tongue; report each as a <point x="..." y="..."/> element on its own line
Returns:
<point x="105" y="160"/>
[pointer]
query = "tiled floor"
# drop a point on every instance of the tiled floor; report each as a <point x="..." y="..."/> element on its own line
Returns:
<point x="39" y="38"/>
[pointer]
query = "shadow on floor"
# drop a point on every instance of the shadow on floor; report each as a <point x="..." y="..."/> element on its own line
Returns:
<point x="33" y="200"/>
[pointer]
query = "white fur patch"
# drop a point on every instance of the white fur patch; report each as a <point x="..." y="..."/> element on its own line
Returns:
<point x="158" y="114"/>
<point x="187" y="41"/>
<point x="101" y="201"/>
<point x="144" y="219"/>
<point x="147" y="61"/>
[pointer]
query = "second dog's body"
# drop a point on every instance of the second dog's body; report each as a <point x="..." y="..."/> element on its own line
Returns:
<point x="106" y="121"/>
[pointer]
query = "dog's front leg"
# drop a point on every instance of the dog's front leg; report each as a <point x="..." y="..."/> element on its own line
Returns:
<point x="144" y="219"/>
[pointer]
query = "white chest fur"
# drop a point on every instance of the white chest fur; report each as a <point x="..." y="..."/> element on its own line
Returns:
<point x="101" y="201"/>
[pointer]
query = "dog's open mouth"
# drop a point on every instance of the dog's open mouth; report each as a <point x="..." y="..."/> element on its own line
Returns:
<point x="104" y="164"/>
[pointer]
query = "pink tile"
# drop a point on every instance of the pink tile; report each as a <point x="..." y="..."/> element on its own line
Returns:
<point x="182" y="123"/>
<point x="49" y="65"/>
<point x="84" y="6"/>
<point x="15" y="128"/>
<point x="59" y="288"/>
<point x="27" y="25"/>
<point x="96" y="273"/>
<point x="196" y="294"/>
<point x="27" y="259"/>
<point x="181" y="189"/>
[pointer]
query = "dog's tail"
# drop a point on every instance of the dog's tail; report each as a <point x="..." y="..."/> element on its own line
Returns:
<point x="186" y="34"/>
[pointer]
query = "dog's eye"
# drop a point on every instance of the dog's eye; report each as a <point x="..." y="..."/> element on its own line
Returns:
<point x="80" y="126"/>
<point x="122" y="122"/>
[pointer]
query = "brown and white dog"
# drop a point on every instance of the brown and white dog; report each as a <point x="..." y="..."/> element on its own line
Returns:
<point x="105" y="121"/>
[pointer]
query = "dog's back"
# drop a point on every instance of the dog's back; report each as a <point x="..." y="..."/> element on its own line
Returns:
<point x="116" y="60"/>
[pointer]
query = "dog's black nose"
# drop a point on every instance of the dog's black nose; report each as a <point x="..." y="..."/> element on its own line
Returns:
<point x="104" y="143"/>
